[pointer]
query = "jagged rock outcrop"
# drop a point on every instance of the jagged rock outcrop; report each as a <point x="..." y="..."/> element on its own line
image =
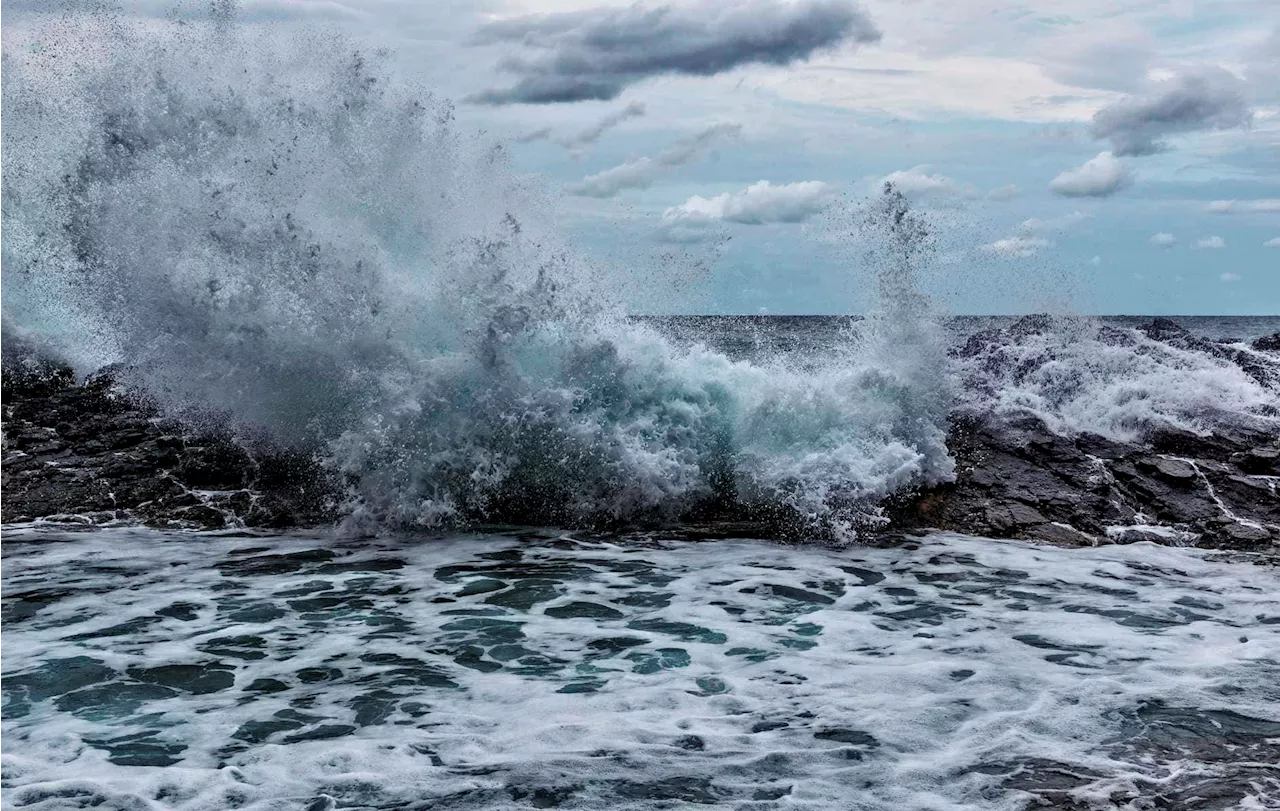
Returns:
<point x="89" y="453"/>
<point x="1019" y="480"/>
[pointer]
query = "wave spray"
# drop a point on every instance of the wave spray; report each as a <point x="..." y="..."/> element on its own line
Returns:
<point x="272" y="230"/>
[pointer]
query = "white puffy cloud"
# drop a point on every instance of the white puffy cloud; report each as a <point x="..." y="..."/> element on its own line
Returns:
<point x="1230" y="277"/>
<point x="1163" y="240"/>
<point x="1274" y="242"/>
<point x="1015" y="247"/>
<point x="1265" y="206"/>
<point x="918" y="181"/>
<point x="1211" y="243"/>
<point x="1101" y="176"/>
<point x="757" y="204"/>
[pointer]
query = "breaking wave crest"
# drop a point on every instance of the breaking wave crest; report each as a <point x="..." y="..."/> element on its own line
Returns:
<point x="1080" y="375"/>
<point x="275" y="232"/>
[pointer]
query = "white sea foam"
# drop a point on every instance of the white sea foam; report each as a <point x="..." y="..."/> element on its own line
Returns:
<point x="1082" y="375"/>
<point x="502" y="672"/>
<point x="278" y="231"/>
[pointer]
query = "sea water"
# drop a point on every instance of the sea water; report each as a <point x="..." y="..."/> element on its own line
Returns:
<point x="276" y="235"/>
<point x="515" y="669"/>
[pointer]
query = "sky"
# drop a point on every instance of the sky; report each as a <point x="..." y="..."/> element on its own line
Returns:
<point x="1092" y="156"/>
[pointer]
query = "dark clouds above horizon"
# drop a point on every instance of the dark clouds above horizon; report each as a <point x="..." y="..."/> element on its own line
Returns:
<point x="1205" y="98"/>
<point x="596" y="53"/>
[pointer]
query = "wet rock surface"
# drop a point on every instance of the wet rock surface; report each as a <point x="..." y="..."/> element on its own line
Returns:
<point x="1015" y="478"/>
<point x="1019" y="480"/>
<point x="87" y="452"/>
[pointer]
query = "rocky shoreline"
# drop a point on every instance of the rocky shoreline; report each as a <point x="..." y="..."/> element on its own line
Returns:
<point x="85" y="452"/>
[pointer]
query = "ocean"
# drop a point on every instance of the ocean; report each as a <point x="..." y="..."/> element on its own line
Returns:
<point x="537" y="589"/>
<point x="524" y="668"/>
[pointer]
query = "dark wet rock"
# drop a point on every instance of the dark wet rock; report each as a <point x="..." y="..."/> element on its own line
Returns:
<point x="1268" y="343"/>
<point x="94" y="451"/>
<point x="91" y="452"/>
<point x="1017" y="479"/>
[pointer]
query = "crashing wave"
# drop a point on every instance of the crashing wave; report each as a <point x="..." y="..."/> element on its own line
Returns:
<point x="1081" y="375"/>
<point x="275" y="233"/>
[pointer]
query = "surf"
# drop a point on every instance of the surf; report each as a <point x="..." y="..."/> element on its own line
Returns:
<point x="273" y="233"/>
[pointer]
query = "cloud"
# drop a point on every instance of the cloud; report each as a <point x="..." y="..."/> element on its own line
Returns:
<point x="1230" y="277"/>
<point x="592" y="133"/>
<point x="1035" y="225"/>
<point x="1163" y="240"/>
<point x="1206" y="98"/>
<point x="758" y="204"/>
<point x="1274" y="242"/>
<point x="1101" y="176"/>
<point x="1007" y="192"/>
<point x="1211" y="243"/>
<point x="1106" y="57"/>
<point x="1016" y="247"/>
<point x="596" y="53"/>
<point x="1266" y="206"/>
<point x="537" y="135"/>
<point x="918" y="182"/>
<point x="1095" y="261"/>
<point x="640" y="173"/>
<point x="589" y="136"/>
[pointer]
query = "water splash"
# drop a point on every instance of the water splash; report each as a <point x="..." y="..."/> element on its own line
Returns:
<point x="276" y="232"/>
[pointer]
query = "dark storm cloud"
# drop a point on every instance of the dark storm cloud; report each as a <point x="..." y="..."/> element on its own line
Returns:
<point x="596" y="53"/>
<point x="1208" y="98"/>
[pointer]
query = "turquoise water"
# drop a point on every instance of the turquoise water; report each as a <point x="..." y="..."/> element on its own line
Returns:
<point x="541" y="669"/>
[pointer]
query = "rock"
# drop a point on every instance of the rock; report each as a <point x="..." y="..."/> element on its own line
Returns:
<point x="1015" y="479"/>
<point x="1062" y="535"/>
<point x="92" y="452"/>
<point x="1262" y="461"/>
<point x="1268" y="343"/>
<point x="1176" y="470"/>
<point x="1246" y="535"/>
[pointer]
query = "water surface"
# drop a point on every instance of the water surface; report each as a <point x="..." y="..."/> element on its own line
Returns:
<point x="540" y="669"/>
